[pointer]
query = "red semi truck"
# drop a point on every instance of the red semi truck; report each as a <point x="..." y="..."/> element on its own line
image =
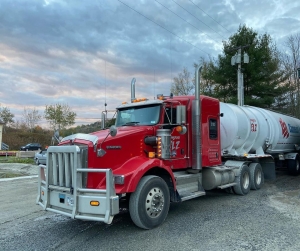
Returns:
<point x="166" y="150"/>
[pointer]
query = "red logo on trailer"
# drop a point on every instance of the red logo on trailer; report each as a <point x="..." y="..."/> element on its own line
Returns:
<point x="284" y="128"/>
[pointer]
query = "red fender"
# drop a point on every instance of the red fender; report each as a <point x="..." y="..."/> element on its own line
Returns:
<point x="134" y="169"/>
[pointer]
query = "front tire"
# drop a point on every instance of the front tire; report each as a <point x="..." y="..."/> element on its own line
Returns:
<point x="149" y="204"/>
<point x="37" y="161"/>
<point x="243" y="181"/>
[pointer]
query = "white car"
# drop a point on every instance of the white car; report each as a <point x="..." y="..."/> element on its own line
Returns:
<point x="41" y="157"/>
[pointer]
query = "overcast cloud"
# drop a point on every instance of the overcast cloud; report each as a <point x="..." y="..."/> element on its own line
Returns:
<point x="83" y="52"/>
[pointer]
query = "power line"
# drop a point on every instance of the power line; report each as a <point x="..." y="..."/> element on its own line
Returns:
<point x="209" y="15"/>
<point x="183" y="19"/>
<point x="199" y="19"/>
<point x="163" y="27"/>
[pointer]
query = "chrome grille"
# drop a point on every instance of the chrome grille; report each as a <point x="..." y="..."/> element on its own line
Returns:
<point x="62" y="162"/>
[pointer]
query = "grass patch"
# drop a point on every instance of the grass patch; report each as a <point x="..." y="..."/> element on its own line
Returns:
<point x="10" y="175"/>
<point x="13" y="159"/>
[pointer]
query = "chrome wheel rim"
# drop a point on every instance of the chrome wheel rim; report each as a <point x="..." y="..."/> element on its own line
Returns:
<point x="258" y="177"/>
<point x="154" y="202"/>
<point x="246" y="180"/>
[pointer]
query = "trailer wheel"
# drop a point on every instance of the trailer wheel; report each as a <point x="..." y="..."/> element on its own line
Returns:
<point x="293" y="166"/>
<point x="256" y="176"/>
<point x="243" y="181"/>
<point x="149" y="204"/>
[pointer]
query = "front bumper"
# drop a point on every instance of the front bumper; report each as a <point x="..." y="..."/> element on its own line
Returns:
<point x="60" y="187"/>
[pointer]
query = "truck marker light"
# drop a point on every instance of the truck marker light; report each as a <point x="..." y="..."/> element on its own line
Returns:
<point x="94" y="203"/>
<point x="159" y="147"/>
<point x="151" y="155"/>
<point x="181" y="129"/>
<point x="43" y="193"/>
<point x="124" y="103"/>
<point x="178" y="128"/>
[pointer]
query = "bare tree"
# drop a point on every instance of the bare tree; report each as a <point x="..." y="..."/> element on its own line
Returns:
<point x="19" y="125"/>
<point x="207" y="85"/>
<point x="31" y="118"/>
<point x="290" y="62"/>
<point x="183" y="84"/>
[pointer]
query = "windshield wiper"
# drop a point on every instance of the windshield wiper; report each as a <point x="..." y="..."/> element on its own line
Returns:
<point x="131" y="123"/>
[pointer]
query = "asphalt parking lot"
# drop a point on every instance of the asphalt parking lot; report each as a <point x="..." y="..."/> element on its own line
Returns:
<point x="267" y="219"/>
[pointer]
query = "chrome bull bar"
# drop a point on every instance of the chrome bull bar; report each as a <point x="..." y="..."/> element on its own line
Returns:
<point x="61" y="187"/>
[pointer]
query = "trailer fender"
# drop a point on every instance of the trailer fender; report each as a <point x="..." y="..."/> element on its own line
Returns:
<point x="236" y="165"/>
<point x="135" y="168"/>
<point x="291" y="156"/>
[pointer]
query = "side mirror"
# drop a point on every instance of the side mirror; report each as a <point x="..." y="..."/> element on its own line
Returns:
<point x="113" y="130"/>
<point x="181" y="114"/>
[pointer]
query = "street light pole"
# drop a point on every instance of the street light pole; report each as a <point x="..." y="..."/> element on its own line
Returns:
<point x="237" y="59"/>
<point x="239" y="77"/>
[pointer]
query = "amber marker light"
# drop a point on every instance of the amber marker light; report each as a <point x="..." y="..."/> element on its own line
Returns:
<point x="159" y="147"/>
<point x="151" y="155"/>
<point x="179" y="129"/>
<point x="94" y="203"/>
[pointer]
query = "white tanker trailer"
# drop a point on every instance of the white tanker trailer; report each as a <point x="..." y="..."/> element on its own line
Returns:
<point x="254" y="132"/>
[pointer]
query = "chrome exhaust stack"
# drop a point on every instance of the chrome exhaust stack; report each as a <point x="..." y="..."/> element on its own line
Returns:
<point x="132" y="90"/>
<point x="196" y="124"/>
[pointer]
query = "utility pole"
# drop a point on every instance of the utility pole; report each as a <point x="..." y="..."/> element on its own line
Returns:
<point x="237" y="59"/>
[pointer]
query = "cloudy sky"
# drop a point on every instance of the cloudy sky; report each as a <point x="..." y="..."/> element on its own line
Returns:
<point x="82" y="53"/>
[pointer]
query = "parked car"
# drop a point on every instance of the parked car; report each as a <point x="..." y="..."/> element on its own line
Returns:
<point x="31" y="147"/>
<point x="41" y="157"/>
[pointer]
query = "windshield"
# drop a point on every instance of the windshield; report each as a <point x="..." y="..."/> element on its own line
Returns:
<point x="139" y="115"/>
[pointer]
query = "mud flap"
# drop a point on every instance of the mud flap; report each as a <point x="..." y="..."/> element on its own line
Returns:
<point x="268" y="167"/>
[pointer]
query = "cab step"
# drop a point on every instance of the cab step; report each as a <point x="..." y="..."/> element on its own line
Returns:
<point x="227" y="185"/>
<point x="193" y="195"/>
<point x="188" y="185"/>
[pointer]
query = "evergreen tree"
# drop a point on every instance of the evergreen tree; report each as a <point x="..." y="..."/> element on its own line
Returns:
<point x="262" y="76"/>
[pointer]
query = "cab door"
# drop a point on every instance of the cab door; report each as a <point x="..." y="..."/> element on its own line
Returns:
<point x="178" y="147"/>
<point x="210" y="117"/>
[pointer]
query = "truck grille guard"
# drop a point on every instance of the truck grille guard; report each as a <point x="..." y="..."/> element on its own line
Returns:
<point x="61" y="186"/>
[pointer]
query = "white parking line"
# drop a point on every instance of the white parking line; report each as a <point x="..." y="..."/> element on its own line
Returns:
<point x="19" y="178"/>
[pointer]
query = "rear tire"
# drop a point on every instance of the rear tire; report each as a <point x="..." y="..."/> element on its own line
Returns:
<point x="243" y="181"/>
<point x="149" y="204"/>
<point x="293" y="166"/>
<point x="256" y="176"/>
